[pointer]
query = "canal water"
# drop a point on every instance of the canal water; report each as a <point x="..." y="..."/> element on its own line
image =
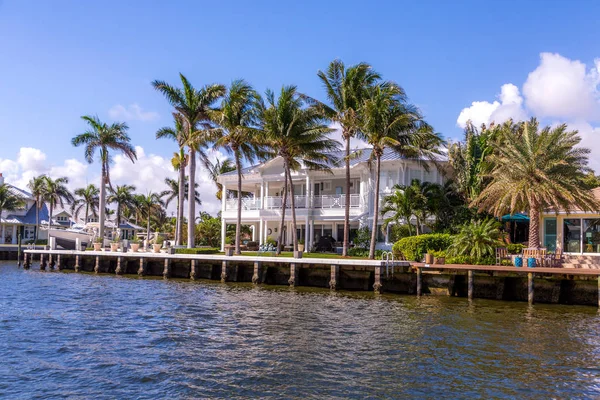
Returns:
<point x="85" y="336"/>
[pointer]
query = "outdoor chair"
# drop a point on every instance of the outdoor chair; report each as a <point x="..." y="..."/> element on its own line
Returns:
<point x="501" y="255"/>
<point x="266" y="248"/>
<point x="557" y="259"/>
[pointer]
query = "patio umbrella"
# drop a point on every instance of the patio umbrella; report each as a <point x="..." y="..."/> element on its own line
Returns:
<point x="515" y="218"/>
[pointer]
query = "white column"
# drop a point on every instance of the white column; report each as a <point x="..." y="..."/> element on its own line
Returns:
<point x="266" y="192"/>
<point x="261" y="236"/>
<point x="254" y="232"/>
<point x="311" y="236"/>
<point x="306" y="237"/>
<point x="308" y="195"/>
<point x="262" y="197"/>
<point x="223" y="198"/>
<point x="14" y="234"/>
<point x="223" y="232"/>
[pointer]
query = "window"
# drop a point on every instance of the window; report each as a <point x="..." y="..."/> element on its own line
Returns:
<point x="550" y="233"/>
<point x="572" y="235"/>
<point x="591" y="238"/>
<point x="380" y="234"/>
<point x="29" y="232"/>
<point x="339" y="190"/>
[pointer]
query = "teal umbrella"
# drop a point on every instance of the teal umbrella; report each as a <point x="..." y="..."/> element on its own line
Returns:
<point x="515" y="217"/>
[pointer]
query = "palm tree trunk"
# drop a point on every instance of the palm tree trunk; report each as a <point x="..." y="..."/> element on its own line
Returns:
<point x="148" y="231"/>
<point x="102" y="205"/>
<point x="37" y="220"/>
<point x="283" y="205"/>
<point x="238" y="225"/>
<point x="375" y="210"/>
<point x="191" y="242"/>
<point x="50" y="217"/>
<point x="347" y="207"/>
<point x="534" y="226"/>
<point x="87" y="210"/>
<point x="180" y="203"/>
<point x="294" y="233"/>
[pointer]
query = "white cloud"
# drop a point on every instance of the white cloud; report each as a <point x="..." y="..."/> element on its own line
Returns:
<point x="133" y="112"/>
<point x="563" y="88"/>
<point x="337" y="135"/>
<point x="484" y="112"/>
<point x="590" y="138"/>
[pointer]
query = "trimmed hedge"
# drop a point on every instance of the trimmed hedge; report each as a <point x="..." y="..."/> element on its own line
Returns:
<point x="360" y="252"/>
<point x="413" y="248"/>
<point x="204" y="250"/>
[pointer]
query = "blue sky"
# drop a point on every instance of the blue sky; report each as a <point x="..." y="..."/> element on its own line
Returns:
<point x="64" y="59"/>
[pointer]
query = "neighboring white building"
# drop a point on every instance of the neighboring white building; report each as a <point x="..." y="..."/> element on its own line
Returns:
<point x="319" y="196"/>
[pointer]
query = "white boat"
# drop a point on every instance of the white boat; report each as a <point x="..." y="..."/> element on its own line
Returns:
<point x="67" y="238"/>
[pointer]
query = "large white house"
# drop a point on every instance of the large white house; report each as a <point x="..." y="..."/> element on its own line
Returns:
<point x="319" y="196"/>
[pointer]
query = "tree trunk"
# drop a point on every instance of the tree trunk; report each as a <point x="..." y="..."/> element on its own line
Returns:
<point x="375" y="210"/>
<point x="37" y="220"/>
<point x="191" y="203"/>
<point x="180" y="205"/>
<point x="50" y="217"/>
<point x="87" y="210"/>
<point x="347" y="207"/>
<point x="534" y="226"/>
<point x="238" y="225"/>
<point x="148" y="231"/>
<point x="102" y="202"/>
<point x="293" y="204"/>
<point x="283" y="205"/>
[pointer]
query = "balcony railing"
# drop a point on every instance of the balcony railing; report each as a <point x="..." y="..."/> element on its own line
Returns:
<point x="275" y="202"/>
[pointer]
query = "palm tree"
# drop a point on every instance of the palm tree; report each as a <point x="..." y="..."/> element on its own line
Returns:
<point x="400" y="204"/>
<point x="534" y="170"/>
<point x="172" y="192"/>
<point x="179" y="162"/>
<point x="346" y="90"/>
<point x="36" y="186"/>
<point x="298" y="135"/>
<point x="220" y="167"/>
<point x="88" y="197"/>
<point x="149" y="205"/>
<point x="478" y="239"/>
<point x="103" y="138"/>
<point x="123" y="196"/>
<point x="387" y="121"/>
<point x="9" y="201"/>
<point x="193" y="107"/>
<point x="237" y="119"/>
<point x="56" y="193"/>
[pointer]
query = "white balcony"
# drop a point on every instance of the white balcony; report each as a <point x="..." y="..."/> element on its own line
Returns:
<point x="301" y="202"/>
<point x="247" y="204"/>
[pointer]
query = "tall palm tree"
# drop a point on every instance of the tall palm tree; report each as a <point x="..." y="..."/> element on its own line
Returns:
<point x="9" y="201"/>
<point x="36" y="186"/>
<point x="346" y="89"/>
<point x="104" y="138"/>
<point x="193" y="106"/>
<point x="149" y="205"/>
<point x="239" y="135"/>
<point x="299" y="136"/>
<point x="88" y="198"/>
<point x="123" y="197"/>
<point x="172" y="192"/>
<point x="179" y="162"/>
<point x="387" y="121"/>
<point x="220" y="167"/>
<point x="401" y="205"/>
<point x="56" y="193"/>
<point x="536" y="169"/>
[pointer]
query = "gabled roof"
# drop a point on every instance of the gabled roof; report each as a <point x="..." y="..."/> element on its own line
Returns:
<point x="19" y="192"/>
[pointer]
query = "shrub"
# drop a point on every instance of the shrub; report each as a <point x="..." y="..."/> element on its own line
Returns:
<point x="358" y="252"/>
<point x="460" y="260"/>
<point x="363" y="238"/>
<point x="477" y="239"/>
<point x="271" y="241"/>
<point x="206" y="250"/>
<point x="514" y="248"/>
<point x="413" y="248"/>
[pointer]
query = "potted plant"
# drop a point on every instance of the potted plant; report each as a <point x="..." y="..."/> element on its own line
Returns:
<point x="428" y="258"/>
<point x="114" y="243"/>
<point x="301" y="245"/>
<point x="158" y="243"/>
<point x="98" y="244"/>
<point x="135" y="244"/>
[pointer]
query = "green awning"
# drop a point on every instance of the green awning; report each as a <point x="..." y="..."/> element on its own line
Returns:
<point x="515" y="217"/>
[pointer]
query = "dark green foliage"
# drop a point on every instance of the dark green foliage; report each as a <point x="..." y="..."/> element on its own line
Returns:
<point x="360" y="252"/>
<point x="414" y="248"/>
<point x="515" y="248"/>
<point x="206" y="250"/>
<point x="362" y="238"/>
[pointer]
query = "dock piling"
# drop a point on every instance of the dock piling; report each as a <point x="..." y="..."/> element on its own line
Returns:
<point x="167" y="269"/>
<point x="377" y="286"/>
<point x="530" y="287"/>
<point x="293" y="281"/>
<point x="97" y="266"/>
<point x="419" y="281"/>
<point x="470" y="284"/>
<point x="51" y="262"/>
<point x="224" y="271"/>
<point x="118" y="270"/>
<point x="142" y="269"/>
<point x="598" y="290"/>
<point x="256" y="274"/>
<point x="193" y="270"/>
<point x="26" y="263"/>
<point x="42" y="262"/>
<point x="77" y="263"/>
<point x="335" y="276"/>
<point x="58" y="262"/>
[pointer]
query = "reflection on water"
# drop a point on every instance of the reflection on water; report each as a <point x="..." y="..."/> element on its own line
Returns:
<point x="80" y="335"/>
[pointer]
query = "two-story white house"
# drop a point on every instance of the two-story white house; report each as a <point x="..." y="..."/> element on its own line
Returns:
<point x="320" y="197"/>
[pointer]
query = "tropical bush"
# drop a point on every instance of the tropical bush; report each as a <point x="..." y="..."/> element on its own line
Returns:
<point x="206" y="250"/>
<point x="478" y="240"/>
<point x="362" y="239"/>
<point x="413" y="248"/>
<point x="514" y="248"/>
<point x="360" y="252"/>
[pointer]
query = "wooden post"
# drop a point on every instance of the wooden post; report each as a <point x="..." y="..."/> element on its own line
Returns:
<point x="26" y="264"/>
<point x="224" y="271"/>
<point x="193" y="270"/>
<point x="377" y="285"/>
<point x="256" y="275"/>
<point x="77" y="263"/>
<point x="598" y="290"/>
<point x="335" y="277"/>
<point x="97" y="266"/>
<point x="470" y="284"/>
<point x="19" y="253"/>
<point x="419" y="281"/>
<point x="58" y="262"/>
<point x="119" y="270"/>
<point x="293" y="281"/>
<point x="142" y="269"/>
<point x="167" y="269"/>
<point x="51" y="262"/>
<point x="530" y="287"/>
<point x="42" y="262"/>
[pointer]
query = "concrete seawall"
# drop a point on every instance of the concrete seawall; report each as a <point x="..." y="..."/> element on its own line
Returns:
<point x="540" y="285"/>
